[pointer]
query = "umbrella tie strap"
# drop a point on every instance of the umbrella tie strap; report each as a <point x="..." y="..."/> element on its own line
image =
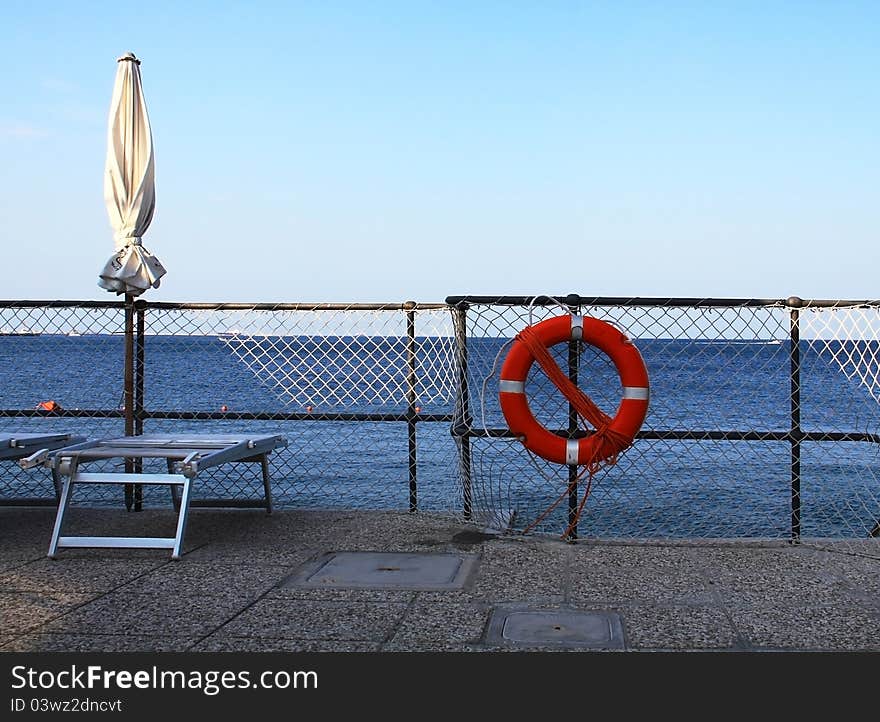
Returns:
<point x="127" y="241"/>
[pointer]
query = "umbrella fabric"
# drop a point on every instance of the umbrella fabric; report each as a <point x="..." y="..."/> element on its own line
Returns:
<point x="129" y="185"/>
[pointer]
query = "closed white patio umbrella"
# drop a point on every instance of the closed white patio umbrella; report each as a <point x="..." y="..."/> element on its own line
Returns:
<point x="130" y="196"/>
<point x="129" y="185"/>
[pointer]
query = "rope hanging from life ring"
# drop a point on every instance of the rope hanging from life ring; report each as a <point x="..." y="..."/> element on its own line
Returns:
<point x="612" y="435"/>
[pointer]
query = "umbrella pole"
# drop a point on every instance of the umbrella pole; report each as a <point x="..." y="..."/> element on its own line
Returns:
<point x="128" y="396"/>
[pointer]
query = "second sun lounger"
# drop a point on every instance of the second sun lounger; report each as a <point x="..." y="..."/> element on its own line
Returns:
<point x="18" y="445"/>
<point x="186" y="456"/>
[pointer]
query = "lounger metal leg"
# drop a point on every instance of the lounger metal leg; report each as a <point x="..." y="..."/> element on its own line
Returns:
<point x="63" y="503"/>
<point x="181" y="519"/>
<point x="264" y="463"/>
<point x="59" y="483"/>
<point x="175" y="491"/>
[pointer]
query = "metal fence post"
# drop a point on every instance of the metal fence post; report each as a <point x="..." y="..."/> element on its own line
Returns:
<point x="411" y="413"/>
<point x="795" y="433"/>
<point x="139" y="369"/>
<point x="462" y="421"/>
<point x="573" y="302"/>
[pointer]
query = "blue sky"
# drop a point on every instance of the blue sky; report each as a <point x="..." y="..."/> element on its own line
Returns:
<point x="344" y="151"/>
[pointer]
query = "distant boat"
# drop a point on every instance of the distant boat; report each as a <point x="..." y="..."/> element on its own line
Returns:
<point x="74" y="333"/>
<point x="19" y="332"/>
<point x="241" y="336"/>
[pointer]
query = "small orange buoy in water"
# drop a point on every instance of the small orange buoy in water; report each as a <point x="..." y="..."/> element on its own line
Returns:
<point x="224" y="408"/>
<point x="50" y="405"/>
<point x="418" y="409"/>
<point x="309" y="408"/>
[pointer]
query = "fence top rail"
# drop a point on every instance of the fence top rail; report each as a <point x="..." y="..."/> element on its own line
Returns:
<point x="222" y="306"/>
<point x="61" y="304"/>
<point x="303" y="306"/>
<point x="573" y="299"/>
<point x="458" y="302"/>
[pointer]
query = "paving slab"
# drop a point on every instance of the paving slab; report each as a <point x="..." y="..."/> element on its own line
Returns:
<point x="317" y="620"/>
<point x="653" y="627"/>
<point x="99" y="643"/>
<point x="833" y="627"/>
<point x="124" y="613"/>
<point x="232" y="581"/>
<point x="24" y="611"/>
<point x="522" y="571"/>
<point x="225" y="643"/>
<point x="615" y="574"/>
<point x="84" y="575"/>
<point x="432" y="623"/>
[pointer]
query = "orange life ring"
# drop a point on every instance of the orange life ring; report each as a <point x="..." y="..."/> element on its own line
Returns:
<point x="623" y="426"/>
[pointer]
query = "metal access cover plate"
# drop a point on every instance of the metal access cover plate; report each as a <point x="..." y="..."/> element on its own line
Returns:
<point x="385" y="570"/>
<point x="531" y="627"/>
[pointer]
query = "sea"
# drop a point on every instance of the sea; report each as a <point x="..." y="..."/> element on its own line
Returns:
<point x="658" y="488"/>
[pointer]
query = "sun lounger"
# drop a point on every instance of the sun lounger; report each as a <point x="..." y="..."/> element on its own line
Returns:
<point x="15" y="446"/>
<point x="186" y="455"/>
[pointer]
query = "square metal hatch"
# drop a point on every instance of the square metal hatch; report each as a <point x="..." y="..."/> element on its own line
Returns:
<point x="385" y="570"/>
<point x="531" y="627"/>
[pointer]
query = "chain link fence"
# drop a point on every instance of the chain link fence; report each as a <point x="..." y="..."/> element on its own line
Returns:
<point x="357" y="390"/>
<point x="61" y="371"/>
<point x="362" y="392"/>
<point x="749" y="434"/>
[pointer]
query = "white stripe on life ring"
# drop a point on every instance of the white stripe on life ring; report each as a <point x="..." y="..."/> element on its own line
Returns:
<point x="512" y="387"/>
<point x="571" y="452"/>
<point x="636" y="392"/>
